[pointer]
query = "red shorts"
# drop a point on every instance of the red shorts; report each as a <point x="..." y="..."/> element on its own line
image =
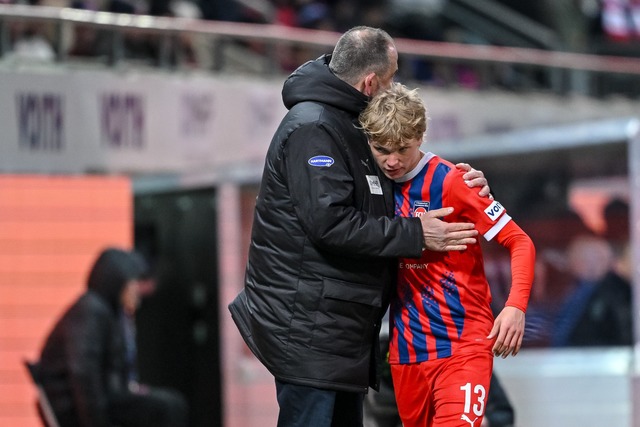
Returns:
<point x="449" y="392"/>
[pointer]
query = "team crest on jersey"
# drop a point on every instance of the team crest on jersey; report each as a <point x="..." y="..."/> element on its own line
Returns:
<point x="420" y="207"/>
<point x="494" y="210"/>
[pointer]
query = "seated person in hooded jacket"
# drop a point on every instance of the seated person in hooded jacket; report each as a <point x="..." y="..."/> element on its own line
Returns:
<point x="83" y="365"/>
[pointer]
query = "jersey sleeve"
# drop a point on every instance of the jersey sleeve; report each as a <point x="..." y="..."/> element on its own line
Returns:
<point x="523" y="258"/>
<point x="488" y="215"/>
<point x="491" y="220"/>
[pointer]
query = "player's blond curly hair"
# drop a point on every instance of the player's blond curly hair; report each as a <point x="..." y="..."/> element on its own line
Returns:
<point x="394" y="117"/>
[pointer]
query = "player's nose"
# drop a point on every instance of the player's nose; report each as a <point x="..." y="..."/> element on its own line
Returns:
<point x="392" y="160"/>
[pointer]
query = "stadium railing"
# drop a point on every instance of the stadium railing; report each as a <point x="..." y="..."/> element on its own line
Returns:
<point x="262" y="46"/>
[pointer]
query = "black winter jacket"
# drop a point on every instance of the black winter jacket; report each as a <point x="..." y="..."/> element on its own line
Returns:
<point x="322" y="257"/>
<point x="83" y="360"/>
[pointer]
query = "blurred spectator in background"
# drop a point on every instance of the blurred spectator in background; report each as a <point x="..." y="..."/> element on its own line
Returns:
<point x="607" y="319"/>
<point x="589" y="258"/>
<point x="28" y="41"/>
<point x="30" y="44"/>
<point x="87" y="365"/>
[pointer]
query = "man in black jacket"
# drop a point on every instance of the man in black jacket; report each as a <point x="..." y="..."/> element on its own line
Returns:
<point x="325" y="242"/>
<point x="83" y="365"/>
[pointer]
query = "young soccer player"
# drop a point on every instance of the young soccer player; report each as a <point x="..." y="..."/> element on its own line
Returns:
<point x="443" y="332"/>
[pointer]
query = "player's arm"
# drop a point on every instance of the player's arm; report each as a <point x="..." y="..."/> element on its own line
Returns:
<point x="508" y="328"/>
<point x="455" y="236"/>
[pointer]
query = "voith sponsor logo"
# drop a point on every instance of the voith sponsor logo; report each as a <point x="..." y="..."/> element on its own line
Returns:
<point x="321" y="161"/>
<point x="494" y="210"/>
<point x="197" y="114"/>
<point x="41" y="121"/>
<point x="122" y="120"/>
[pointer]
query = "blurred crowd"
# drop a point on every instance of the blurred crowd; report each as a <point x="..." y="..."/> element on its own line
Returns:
<point x="582" y="292"/>
<point x="34" y="41"/>
<point x="608" y="27"/>
<point x="588" y="26"/>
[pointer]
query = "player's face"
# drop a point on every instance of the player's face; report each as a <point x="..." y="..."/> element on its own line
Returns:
<point x="395" y="163"/>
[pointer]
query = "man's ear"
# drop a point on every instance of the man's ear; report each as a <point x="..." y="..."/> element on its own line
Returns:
<point x="370" y="84"/>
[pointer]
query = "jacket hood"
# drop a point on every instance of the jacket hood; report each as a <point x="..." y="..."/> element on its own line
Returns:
<point x="110" y="273"/>
<point x="313" y="81"/>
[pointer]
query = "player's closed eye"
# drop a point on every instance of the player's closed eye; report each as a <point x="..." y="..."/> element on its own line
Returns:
<point x="381" y="150"/>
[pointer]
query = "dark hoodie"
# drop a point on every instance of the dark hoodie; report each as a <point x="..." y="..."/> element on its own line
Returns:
<point x="83" y="360"/>
<point x="111" y="271"/>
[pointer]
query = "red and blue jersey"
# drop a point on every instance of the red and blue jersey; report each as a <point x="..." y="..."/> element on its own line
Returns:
<point x="443" y="299"/>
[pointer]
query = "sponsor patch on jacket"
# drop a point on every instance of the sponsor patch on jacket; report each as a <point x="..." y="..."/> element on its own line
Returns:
<point x="374" y="184"/>
<point x="321" y="161"/>
<point x="420" y="207"/>
<point x="494" y="210"/>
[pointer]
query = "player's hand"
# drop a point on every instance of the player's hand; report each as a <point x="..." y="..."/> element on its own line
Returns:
<point x="444" y="236"/>
<point x="508" y="329"/>
<point x="475" y="178"/>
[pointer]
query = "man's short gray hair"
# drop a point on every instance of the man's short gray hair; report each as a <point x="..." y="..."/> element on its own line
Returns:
<point x="360" y="51"/>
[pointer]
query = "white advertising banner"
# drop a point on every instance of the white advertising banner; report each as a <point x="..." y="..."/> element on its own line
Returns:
<point x="97" y="121"/>
<point x="55" y="120"/>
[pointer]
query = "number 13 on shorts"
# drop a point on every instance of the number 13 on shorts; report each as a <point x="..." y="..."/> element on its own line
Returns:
<point x="474" y="401"/>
